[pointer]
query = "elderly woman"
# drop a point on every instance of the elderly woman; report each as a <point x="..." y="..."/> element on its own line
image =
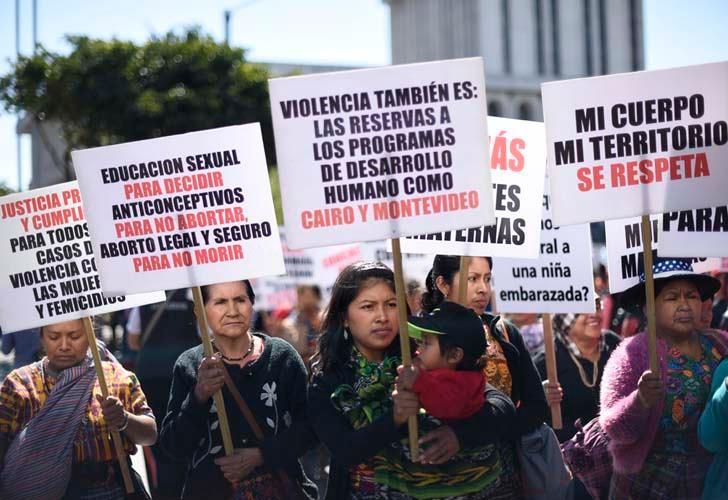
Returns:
<point x="652" y="418"/>
<point x="582" y="350"/>
<point x="271" y="378"/>
<point x="55" y="424"/>
<point x="361" y="416"/>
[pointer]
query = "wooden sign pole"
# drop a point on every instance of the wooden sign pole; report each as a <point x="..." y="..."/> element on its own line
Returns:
<point x="115" y="436"/>
<point x="463" y="281"/>
<point x="650" y="293"/>
<point x="550" y="352"/>
<point x="227" y="440"/>
<point x="404" y="337"/>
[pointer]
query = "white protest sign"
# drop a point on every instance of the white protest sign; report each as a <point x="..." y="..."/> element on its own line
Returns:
<point x="703" y="232"/>
<point x="415" y="266"/>
<point x="273" y="293"/>
<point x="559" y="281"/>
<point x="381" y="153"/>
<point x="517" y="165"/>
<point x="47" y="268"/>
<point x="638" y="143"/>
<point x="625" y="258"/>
<point x="180" y="211"/>
<point x="314" y="266"/>
<point x="710" y="264"/>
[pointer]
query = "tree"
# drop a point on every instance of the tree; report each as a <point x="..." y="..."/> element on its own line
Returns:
<point x="107" y="92"/>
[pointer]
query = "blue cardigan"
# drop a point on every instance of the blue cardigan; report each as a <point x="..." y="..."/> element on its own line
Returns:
<point x="713" y="434"/>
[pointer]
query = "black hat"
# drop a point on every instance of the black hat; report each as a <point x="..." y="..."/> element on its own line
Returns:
<point x="461" y="324"/>
<point x="668" y="270"/>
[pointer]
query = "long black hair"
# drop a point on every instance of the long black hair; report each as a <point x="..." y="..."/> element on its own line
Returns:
<point x="334" y="350"/>
<point x="446" y="266"/>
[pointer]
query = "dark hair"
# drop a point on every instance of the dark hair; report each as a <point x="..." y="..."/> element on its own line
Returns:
<point x="445" y="266"/>
<point x="412" y="287"/>
<point x="469" y="363"/>
<point x="315" y="289"/>
<point x="259" y="321"/>
<point x="95" y="323"/>
<point x="334" y="350"/>
<point x="205" y="289"/>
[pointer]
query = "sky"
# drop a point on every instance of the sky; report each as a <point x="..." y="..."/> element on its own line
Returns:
<point x="345" y="32"/>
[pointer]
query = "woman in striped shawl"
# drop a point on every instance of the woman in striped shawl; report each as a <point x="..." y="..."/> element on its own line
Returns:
<point x="55" y="423"/>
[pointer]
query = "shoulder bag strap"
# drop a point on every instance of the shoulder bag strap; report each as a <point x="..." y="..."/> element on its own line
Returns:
<point x="293" y="489"/>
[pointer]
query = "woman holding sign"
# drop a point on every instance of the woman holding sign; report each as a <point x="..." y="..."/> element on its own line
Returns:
<point x="55" y="423"/>
<point x="265" y="400"/>
<point x="360" y="417"/>
<point x="652" y="418"/>
<point x="509" y="367"/>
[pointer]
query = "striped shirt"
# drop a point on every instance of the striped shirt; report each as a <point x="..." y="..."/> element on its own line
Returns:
<point x="25" y="390"/>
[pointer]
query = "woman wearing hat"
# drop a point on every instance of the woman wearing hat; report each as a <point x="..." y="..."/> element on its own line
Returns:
<point x="651" y="418"/>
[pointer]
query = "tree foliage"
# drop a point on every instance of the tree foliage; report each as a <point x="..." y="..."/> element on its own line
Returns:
<point x="107" y="92"/>
<point x="4" y="189"/>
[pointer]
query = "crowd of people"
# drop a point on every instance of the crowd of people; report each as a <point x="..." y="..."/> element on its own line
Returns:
<point x="318" y="401"/>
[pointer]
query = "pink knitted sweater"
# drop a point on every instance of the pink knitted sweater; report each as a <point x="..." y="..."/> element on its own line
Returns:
<point x="632" y="428"/>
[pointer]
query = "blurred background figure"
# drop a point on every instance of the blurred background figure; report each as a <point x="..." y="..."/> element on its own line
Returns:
<point x="307" y="315"/>
<point x="531" y="329"/>
<point x="720" y="302"/>
<point x="158" y="334"/>
<point x="601" y="289"/>
<point x="277" y="323"/>
<point x="414" y="297"/>
<point x="25" y="343"/>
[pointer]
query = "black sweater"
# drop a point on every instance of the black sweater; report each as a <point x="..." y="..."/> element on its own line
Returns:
<point x="527" y="392"/>
<point x="350" y="447"/>
<point x="273" y="386"/>
<point x="580" y="401"/>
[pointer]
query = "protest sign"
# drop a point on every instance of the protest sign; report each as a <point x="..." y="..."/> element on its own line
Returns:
<point x="559" y="281"/>
<point x="719" y="264"/>
<point x="380" y="153"/>
<point x="517" y="166"/>
<point x="637" y="143"/>
<point x="687" y="233"/>
<point x="46" y="261"/>
<point x="180" y="211"/>
<point x="415" y="266"/>
<point x="313" y="266"/>
<point x="625" y="257"/>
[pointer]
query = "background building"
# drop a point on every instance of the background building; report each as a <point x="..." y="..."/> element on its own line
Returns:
<point x="524" y="42"/>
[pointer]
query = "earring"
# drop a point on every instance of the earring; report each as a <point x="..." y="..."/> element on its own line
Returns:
<point x="346" y="333"/>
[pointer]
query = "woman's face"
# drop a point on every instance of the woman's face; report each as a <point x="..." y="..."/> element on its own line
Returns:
<point x="65" y="343"/>
<point x="372" y="319"/>
<point x="678" y="308"/>
<point x="229" y="309"/>
<point x="586" y="326"/>
<point x="479" y="290"/>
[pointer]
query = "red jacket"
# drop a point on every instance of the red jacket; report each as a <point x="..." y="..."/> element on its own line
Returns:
<point x="449" y="394"/>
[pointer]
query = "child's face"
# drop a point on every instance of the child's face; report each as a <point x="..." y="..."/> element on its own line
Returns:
<point x="429" y="356"/>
